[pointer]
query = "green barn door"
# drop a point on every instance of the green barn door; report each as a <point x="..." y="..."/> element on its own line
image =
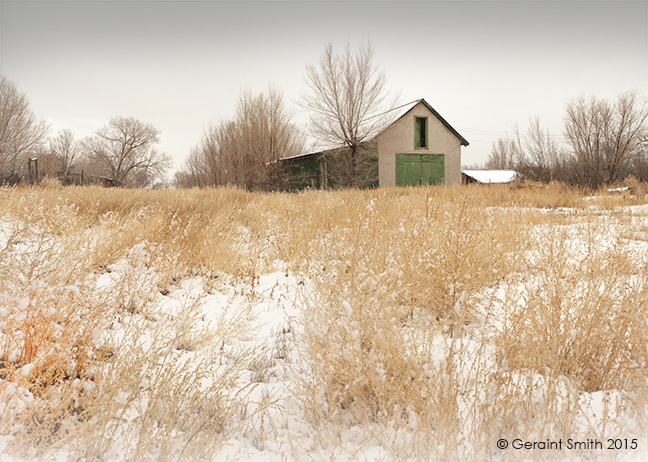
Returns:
<point x="416" y="169"/>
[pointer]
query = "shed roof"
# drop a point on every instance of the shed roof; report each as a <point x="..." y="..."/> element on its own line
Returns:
<point x="492" y="176"/>
<point x="323" y="151"/>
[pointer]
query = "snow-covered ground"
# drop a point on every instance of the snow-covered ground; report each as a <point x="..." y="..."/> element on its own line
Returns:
<point x="250" y="331"/>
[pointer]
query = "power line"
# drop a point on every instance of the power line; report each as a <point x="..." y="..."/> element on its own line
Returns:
<point x="393" y="109"/>
<point x="498" y="133"/>
<point x="481" y="141"/>
<point x="509" y="135"/>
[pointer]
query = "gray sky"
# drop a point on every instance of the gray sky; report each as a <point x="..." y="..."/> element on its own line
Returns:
<point x="483" y="65"/>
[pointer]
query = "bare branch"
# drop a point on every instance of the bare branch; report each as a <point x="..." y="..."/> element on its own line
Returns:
<point x="125" y="149"/>
<point x="21" y="133"/>
<point x="66" y="149"/>
<point x="347" y="99"/>
<point x="244" y="152"/>
<point x="604" y="137"/>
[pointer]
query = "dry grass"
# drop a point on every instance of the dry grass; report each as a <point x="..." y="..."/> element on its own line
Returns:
<point x="100" y="365"/>
<point x="472" y="315"/>
<point x="441" y="318"/>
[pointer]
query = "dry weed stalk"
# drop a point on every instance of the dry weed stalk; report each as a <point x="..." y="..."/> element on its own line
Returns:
<point x="441" y="318"/>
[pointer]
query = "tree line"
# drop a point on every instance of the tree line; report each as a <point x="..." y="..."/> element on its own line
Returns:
<point x="245" y="151"/>
<point x="347" y="99"/>
<point x="604" y="142"/>
<point x="349" y="103"/>
<point x="123" y="151"/>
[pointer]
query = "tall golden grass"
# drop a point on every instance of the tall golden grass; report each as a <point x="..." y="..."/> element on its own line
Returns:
<point x="440" y="319"/>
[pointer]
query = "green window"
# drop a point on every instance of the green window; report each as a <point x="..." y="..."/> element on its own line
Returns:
<point x="420" y="132"/>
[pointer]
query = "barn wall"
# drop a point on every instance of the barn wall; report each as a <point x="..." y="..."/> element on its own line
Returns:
<point x="303" y="172"/>
<point x="330" y="169"/>
<point x="399" y="138"/>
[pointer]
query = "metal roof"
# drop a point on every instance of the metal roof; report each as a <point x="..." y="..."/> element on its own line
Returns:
<point x="492" y="176"/>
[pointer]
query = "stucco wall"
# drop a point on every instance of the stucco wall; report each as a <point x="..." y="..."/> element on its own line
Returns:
<point x="399" y="138"/>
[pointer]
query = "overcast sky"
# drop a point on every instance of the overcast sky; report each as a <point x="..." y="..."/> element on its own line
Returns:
<point x="483" y="65"/>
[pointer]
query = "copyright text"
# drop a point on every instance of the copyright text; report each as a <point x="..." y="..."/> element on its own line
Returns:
<point x="560" y="444"/>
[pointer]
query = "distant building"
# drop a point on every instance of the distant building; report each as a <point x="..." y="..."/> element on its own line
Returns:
<point x="82" y="179"/>
<point x="489" y="176"/>
<point x="419" y="148"/>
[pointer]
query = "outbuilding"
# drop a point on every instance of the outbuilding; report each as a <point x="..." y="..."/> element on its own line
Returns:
<point x="489" y="176"/>
<point x="419" y="148"/>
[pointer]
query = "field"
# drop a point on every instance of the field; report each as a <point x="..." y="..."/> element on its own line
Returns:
<point x="447" y="323"/>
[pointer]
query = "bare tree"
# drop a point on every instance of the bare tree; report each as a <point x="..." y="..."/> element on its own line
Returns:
<point x="204" y="166"/>
<point x="504" y="154"/>
<point x="125" y="150"/>
<point x="244" y="151"/>
<point x="604" y="137"/>
<point x="542" y="150"/>
<point x="638" y="167"/>
<point x="212" y="161"/>
<point x="21" y="133"/>
<point x="534" y="153"/>
<point x="540" y="155"/>
<point x="348" y="100"/>
<point x="587" y="124"/>
<point x="66" y="149"/>
<point x="266" y="134"/>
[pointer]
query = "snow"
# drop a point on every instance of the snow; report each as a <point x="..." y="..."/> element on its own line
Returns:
<point x="492" y="176"/>
<point x="269" y="313"/>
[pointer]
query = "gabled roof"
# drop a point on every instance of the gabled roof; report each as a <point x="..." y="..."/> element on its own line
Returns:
<point x="413" y="104"/>
<point x="406" y="109"/>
